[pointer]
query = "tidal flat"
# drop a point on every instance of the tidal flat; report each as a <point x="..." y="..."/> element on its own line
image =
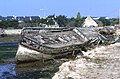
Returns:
<point x="10" y="69"/>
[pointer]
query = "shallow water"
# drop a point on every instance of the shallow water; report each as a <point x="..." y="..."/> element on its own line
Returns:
<point x="9" y="69"/>
<point x="14" y="71"/>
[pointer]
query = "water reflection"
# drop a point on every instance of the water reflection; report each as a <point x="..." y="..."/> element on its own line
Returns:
<point x="7" y="71"/>
<point x="32" y="70"/>
<point x="37" y="70"/>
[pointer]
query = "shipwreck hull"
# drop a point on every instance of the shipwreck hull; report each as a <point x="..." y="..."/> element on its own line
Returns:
<point x="41" y="44"/>
<point x="25" y="53"/>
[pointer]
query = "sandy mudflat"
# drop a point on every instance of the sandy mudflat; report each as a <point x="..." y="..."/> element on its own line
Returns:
<point x="102" y="62"/>
<point x="12" y="31"/>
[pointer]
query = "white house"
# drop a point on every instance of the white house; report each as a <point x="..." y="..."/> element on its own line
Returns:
<point x="56" y="25"/>
<point x="89" y="21"/>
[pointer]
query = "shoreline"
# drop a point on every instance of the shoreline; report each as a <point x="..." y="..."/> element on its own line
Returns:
<point x="99" y="63"/>
<point x="12" y="31"/>
<point x="10" y="38"/>
<point x="84" y="67"/>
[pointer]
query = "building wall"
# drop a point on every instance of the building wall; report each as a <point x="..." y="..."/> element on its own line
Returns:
<point x="89" y="22"/>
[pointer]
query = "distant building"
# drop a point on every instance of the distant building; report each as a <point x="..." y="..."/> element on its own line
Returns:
<point x="1" y="18"/>
<point x="20" y="18"/>
<point x="7" y="18"/>
<point x="96" y="18"/>
<point x="89" y="22"/>
<point x="56" y="25"/>
<point x="35" y="17"/>
<point x="10" y="18"/>
<point x="27" y="18"/>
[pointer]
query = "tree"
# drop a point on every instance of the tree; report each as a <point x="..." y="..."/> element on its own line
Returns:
<point x="62" y="20"/>
<point x="106" y="22"/>
<point x="78" y="18"/>
<point x="114" y="21"/>
<point x="9" y="23"/>
<point x="74" y="22"/>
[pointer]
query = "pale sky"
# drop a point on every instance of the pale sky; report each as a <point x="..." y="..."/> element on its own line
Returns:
<point x="69" y="8"/>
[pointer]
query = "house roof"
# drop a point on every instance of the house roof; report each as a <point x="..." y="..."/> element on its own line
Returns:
<point x="89" y="21"/>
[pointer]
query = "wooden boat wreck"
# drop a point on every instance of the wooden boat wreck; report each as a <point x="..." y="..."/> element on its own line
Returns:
<point x="50" y="43"/>
<point x="103" y="35"/>
<point x="37" y="43"/>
